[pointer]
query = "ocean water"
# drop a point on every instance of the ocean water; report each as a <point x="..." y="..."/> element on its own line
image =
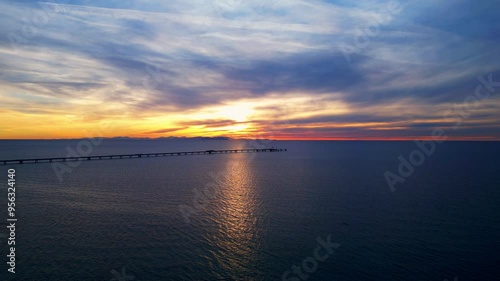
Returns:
<point x="254" y="216"/>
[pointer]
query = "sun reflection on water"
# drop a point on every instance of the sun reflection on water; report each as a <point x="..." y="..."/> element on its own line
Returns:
<point x="239" y="234"/>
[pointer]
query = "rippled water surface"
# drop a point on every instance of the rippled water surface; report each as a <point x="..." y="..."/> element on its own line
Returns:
<point x="255" y="216"/>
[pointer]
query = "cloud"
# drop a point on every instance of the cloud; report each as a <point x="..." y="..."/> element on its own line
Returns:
<point x="163" y="131"/>
<point x="211" y="123"/>
<point x="155" y="58"/>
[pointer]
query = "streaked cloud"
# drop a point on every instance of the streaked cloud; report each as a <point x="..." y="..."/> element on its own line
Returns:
<point x="235" y="68"/>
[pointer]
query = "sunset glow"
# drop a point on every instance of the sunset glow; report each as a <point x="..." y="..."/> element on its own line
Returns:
<point x="245" y="70"/>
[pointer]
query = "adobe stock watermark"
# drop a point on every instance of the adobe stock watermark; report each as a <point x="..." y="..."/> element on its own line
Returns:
<point x="121" y="276"/>
<point x="212" y="189"/>
<point x="363" y="35"/>
<point x="154" y="77"/>
<point x="310" y="264"/>
<point x="34" y="23"/>
<point x="83" y="148"/>
<point x="426" y="148"/>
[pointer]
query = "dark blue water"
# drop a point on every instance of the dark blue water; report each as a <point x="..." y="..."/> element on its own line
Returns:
<point x="256" y="216"/>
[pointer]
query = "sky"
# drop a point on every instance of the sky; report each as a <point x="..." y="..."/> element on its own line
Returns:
<point x="285" y="69"/>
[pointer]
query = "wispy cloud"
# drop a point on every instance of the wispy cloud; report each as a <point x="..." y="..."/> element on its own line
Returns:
<point x="88" y="62"/>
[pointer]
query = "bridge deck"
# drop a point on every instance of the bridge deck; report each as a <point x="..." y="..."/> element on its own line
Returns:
<point x="140" y="155"/>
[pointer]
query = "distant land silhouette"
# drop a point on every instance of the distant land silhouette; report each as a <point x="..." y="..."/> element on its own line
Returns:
<point x="134" y="138"/>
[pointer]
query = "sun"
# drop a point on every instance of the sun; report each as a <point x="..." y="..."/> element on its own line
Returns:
<point x="239" y="112"/>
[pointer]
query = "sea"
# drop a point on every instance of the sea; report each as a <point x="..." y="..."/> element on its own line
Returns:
<point x="322" y="210"/>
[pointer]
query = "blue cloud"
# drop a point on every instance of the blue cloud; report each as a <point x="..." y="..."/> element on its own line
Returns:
<point x="430" y="53"/>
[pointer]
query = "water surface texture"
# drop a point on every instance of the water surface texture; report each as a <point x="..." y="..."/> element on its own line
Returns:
<point x="256" y="215"/>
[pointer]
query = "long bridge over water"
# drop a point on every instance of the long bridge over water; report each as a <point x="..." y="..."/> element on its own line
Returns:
<point x="140" y="155"/>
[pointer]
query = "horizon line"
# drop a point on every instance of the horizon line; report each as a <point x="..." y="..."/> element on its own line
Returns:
<point x="222" y="138"/>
